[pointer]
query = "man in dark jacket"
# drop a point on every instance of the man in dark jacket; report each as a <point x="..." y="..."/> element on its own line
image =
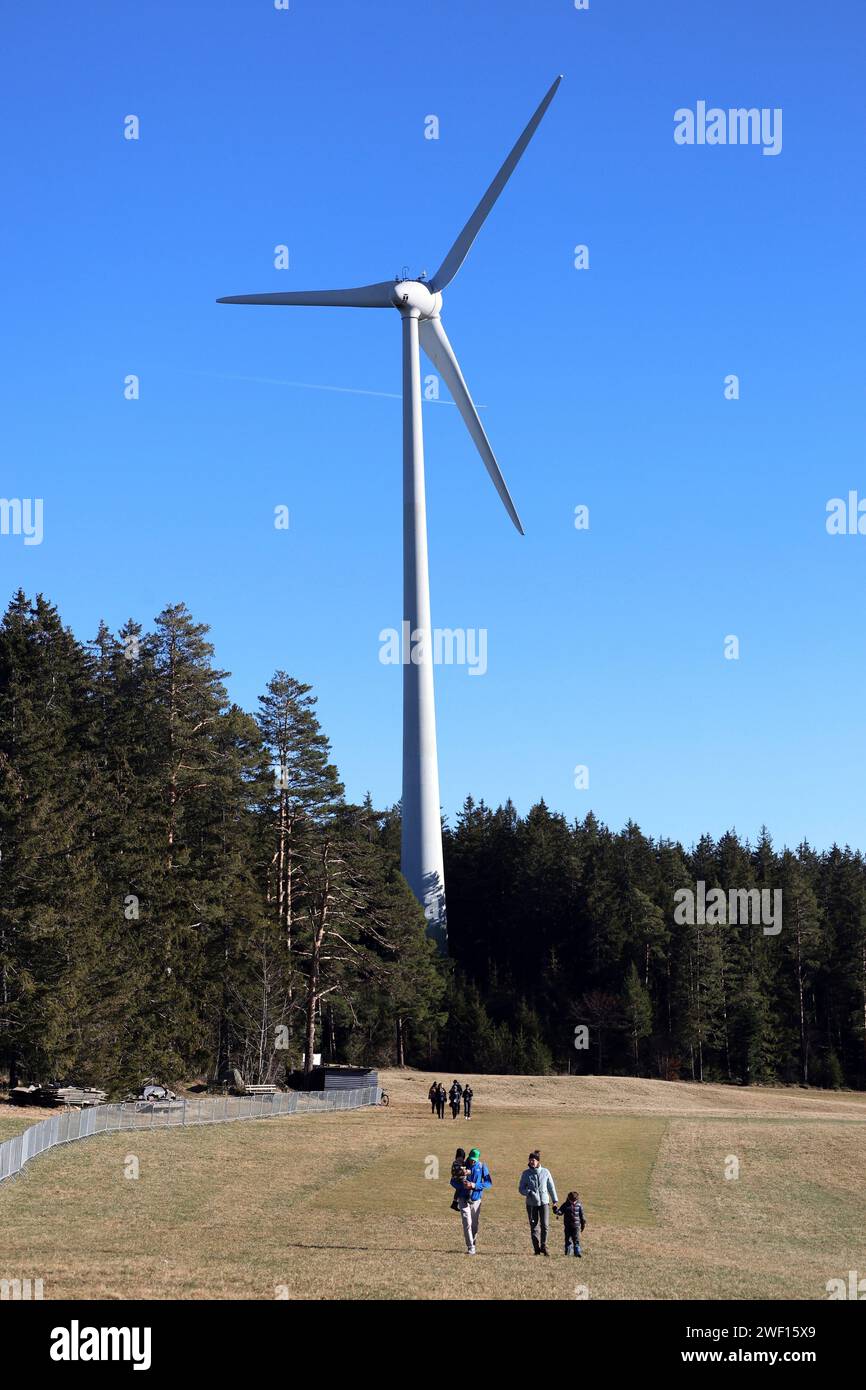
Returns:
<point x="440" y="1101"/>
<point x="433" y="1097"/>
<point x="467" y="1100"/>
<point x="455" y="1095"/>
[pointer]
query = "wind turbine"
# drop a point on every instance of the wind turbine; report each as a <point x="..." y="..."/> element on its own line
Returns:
<point x="419" y="303"/>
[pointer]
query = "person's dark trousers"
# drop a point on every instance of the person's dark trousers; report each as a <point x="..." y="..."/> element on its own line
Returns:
<point x="455" y="1109"/>
<point x="440" y="1110"/>
<point x="539" y="1225"/>
<point x="467" y="1108"/>
<point x="433" y="1107"/>
<point x="572" y="1245"/>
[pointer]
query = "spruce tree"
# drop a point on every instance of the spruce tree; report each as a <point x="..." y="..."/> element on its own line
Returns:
<point x="49" y="942"/>
<point x="637" y="1010"/>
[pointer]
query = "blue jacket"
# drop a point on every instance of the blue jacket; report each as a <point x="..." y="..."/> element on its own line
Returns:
<point x="479" y="1177"/>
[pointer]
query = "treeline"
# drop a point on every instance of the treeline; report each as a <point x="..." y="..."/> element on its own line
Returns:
<point x="569" y="926"/>
<point x="184" y="888"/>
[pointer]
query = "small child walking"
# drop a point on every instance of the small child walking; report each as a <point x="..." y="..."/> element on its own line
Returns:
<point x="574" y="1223"/>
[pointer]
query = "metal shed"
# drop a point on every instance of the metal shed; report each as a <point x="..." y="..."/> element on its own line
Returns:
<point x="333" y="1079"/>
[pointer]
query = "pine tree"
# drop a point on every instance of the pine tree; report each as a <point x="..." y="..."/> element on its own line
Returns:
<point x="303" y="796"/>
<point x="307" y="790"/>
<point x="802" y="943"/>
<point x="48" y="889"/>
<point x="603" y="1014"/>
<point x="357" y="928"/>
<point x="199" y="784"/>
<point x="637" y="1010"/>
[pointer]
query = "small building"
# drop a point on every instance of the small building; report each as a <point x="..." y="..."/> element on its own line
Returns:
<point x="333" y="1079"/>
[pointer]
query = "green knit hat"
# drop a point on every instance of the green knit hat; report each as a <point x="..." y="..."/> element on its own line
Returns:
<point x="474" y="1153"/>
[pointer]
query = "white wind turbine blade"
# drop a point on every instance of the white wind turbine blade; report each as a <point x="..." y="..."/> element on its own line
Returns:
<point x="364" y="297"/>
<point x="434" y="341"/>
<point x="457" y="255"/>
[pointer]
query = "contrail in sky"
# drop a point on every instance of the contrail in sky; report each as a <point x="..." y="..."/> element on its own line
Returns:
<point x="306" y="385"/>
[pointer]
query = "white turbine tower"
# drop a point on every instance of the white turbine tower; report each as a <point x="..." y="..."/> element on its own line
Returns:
<point x="420" y="303"/>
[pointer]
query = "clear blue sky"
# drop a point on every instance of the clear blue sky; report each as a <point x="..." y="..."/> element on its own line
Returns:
<point x="604" y="387"/>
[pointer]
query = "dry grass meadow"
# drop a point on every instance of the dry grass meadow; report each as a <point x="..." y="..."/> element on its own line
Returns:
<point x="338" y="1205"/>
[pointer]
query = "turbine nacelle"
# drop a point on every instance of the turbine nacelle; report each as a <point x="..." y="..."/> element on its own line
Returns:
<point x="413" y="296"/>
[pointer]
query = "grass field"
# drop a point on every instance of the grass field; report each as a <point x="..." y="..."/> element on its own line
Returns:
<point x="338" y="1205"/>
<point x="14" y="1118"/>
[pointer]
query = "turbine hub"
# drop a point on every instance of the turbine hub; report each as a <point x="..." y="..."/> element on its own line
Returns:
<point x="414" y="297"/>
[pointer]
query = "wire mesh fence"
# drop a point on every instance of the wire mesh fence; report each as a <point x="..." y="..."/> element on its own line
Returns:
<point x="138" y="1115"/>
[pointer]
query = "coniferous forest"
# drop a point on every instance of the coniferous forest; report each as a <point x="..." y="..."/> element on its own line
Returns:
<point x="184" y="888"/>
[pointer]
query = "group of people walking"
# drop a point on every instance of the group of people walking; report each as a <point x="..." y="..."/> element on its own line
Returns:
<point x="470" y="1178"/>
<point x="457" y="1094"/>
